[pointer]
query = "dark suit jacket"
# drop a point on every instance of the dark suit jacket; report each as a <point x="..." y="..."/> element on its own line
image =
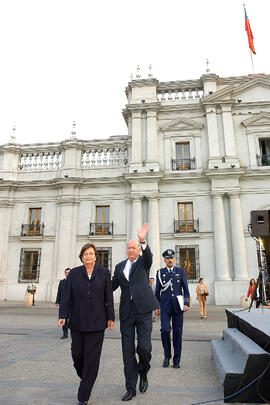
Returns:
<point x="60" y="290"/>
<point x="89" y="303"/>
<point x="138" y="285"/>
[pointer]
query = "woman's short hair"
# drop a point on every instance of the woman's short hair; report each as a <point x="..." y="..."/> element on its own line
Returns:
<point x="200" y="279"/>
<point x="85" y="247"/>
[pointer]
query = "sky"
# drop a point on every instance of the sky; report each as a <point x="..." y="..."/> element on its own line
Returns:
<point x="70" y="60"/>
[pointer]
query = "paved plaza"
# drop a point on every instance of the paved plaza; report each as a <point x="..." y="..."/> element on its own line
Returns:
<point x="36" y="366"/>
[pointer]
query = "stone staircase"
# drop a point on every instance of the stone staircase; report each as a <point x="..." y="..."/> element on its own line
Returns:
<point x="238" y="361"/>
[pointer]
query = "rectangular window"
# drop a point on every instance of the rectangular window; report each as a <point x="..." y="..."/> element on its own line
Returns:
<point x="264" y="158"/>
<point x="29" y="265"/>
<point x="102" y="220"/>
<point x="185" y="217"/>
<point x="105" y="257"/>
<point x="182" y="156"/>
<point x="34" y="218"/>
<point x="187" y="257"/>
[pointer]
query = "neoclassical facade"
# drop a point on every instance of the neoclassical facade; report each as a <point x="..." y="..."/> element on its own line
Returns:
<point x="194" y="163"/>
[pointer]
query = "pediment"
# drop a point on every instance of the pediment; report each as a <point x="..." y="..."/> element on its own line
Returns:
<point x="181" y="124"/>
<point x="262" y="119"/>
<point x="256" y="90"/>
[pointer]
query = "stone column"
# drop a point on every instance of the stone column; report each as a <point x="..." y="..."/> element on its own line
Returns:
<point x="5" y="221"/>
<point x="212" y="128"/>
<point x="153" y="237"/>
<point x="238" y="239"/>
<point x="220" y="239"/>
<point x="136" y="138"/>
<point x="152" y="151"/>
<point x="136" y="214"/>
<point x="229" y="139"/>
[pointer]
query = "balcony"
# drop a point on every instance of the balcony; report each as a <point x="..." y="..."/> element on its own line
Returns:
<point x="183" y="164"/>
<point x="32" y="230"/>
<point x="188" y="226"/>
<point x="101" y="228"/>
<point x="263" y="160"/>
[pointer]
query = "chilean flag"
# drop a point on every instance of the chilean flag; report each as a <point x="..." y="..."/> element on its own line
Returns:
<point x="249" y="33"/>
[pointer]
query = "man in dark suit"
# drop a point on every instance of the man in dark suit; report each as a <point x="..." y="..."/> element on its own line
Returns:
<point x="136" y="305"/>
<point x="171" y="282"/>
<point x="58" y="301"/>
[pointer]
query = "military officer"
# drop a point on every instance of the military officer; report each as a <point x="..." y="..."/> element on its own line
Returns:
<point x="171" y="288"/>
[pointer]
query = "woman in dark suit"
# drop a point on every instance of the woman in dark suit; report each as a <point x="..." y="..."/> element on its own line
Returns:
<point x="88" y="299"/>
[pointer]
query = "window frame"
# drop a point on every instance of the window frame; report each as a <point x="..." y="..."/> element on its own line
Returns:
<point x="22" y="265"/>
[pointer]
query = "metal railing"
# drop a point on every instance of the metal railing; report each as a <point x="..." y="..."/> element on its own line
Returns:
<point x="263" y="160"/>
<point x="183" y="164"/>
<point x="32" y="230"/>
<point x="101" y="228"/>
<point x="188" y="226"/>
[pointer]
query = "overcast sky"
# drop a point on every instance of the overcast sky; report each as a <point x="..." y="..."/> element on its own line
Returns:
<point x="65" y="60"/>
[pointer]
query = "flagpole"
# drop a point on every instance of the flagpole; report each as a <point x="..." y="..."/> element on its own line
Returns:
<point x="251" y="56"/>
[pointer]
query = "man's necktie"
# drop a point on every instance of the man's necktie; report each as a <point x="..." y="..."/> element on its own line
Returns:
<point x="130" y="269"/>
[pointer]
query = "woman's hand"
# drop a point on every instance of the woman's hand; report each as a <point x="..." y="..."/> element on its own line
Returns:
<point x="110" y="325"/>
<point x="61" y="322"/>
<point x="157" y="312"/>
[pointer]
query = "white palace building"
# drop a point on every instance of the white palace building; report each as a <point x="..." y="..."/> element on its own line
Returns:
<point x="194" y="163"/>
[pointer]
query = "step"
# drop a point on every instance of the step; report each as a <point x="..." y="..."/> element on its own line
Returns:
<point x="240" y="344"/>
<point x="226" y="362"/>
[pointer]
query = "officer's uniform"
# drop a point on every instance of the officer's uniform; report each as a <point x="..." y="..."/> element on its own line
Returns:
<point x="169" y="284"/>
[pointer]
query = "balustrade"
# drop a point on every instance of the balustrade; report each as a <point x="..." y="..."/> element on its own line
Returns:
<point x="41" y="161"/>
<point x="95" y="158"/>
<point x="180" y="94"/>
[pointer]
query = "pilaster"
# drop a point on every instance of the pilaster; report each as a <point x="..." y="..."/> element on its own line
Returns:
<point x="238" y="239"/>
<point x="220" y="238"/>
<point x="152" y="144"/>
<point x="229" y="139"/>
<point x="136" y="215"/>
<point x="154" y="232"/>
<point x="213" y="139"/>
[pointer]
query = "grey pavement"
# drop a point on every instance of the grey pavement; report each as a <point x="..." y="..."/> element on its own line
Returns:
<point x="36" y="365"/>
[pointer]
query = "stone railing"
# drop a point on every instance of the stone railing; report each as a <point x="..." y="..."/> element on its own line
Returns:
<point x="180" y="91"/>
<point x="41" y="161"/>
<point x="94" y="158"/>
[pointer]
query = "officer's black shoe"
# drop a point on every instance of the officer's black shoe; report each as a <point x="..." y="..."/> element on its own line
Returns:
<point x="129" y="395"/>
<point x="176" y="365"/>
<point x="166" y="362"/>
<point x="64" y="337"/>
<point x="143" y="385"/>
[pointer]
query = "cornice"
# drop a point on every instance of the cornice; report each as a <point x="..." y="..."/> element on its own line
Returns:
<point x="146" y="176"/>
<point x="225" y="173"/>
<point x="154" y="106"/>
<point x="143" y="83"/>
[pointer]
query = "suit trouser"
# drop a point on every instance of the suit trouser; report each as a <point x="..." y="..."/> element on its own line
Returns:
<point x="143" y="325"/>
<point x="177" y="327"/>
<point x="202" y="302"/>
<point x="86" y="350"/>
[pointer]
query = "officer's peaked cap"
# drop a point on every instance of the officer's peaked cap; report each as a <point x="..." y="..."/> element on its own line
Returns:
<point x="169" y="253"/>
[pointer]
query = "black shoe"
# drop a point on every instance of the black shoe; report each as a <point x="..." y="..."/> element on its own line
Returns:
<point x="63" y="337"/>
<point x="176" y="365"/>
<point x="82" y="402"/>
<point x="143" y="385"/>
<point x="166" y="362"/>
<point x="129" y="395"/>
